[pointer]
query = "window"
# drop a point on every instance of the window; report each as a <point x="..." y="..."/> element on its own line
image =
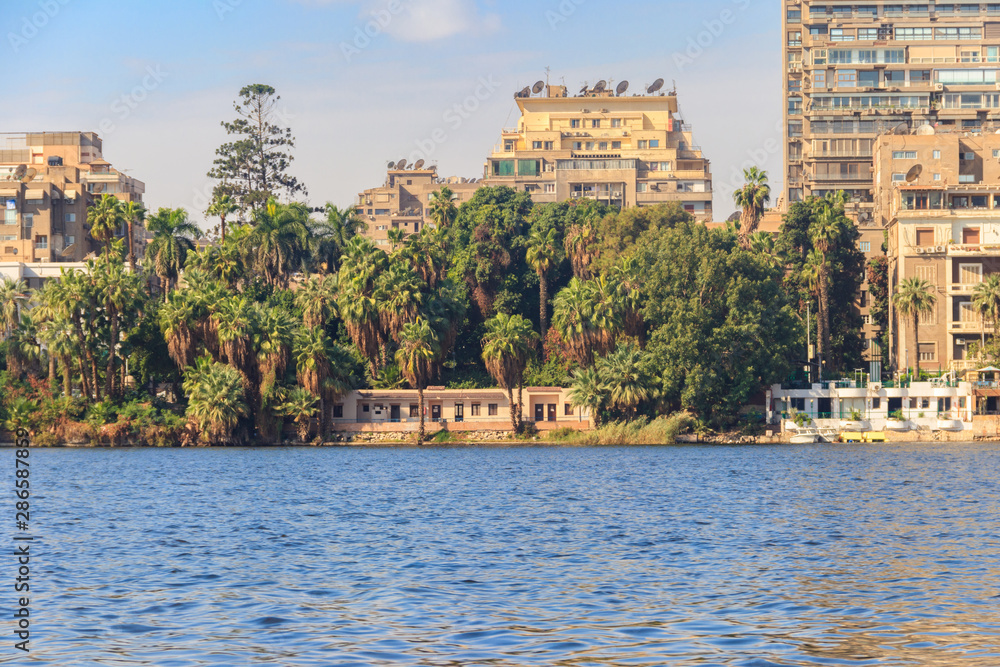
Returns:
<point x="568" y="410"/>
<point x="898" y="178"/>
<point x="548" y="145"/>
<point x="819" y="79"/>
<point x="602" y="146"/>
<point x="904" y="155"/>
<point x="794" y="15"/>
<point x="847" y="78"/>
<point x="841" y="35"/>
<point x="928" y="352"/>
<point x="866" y="319"/>
<point x="575" y="122"/>
<point x="654" y="143"/>
<point x="338" y="411"/>
<point x="474" y="410"/>
<point x="993" y="54"/>
<point x="550" y="188"/>
<point x="71" y="217"/>
<point x="42" y="242"/>
<point x="966" y="178"/>
<point x="642" y="144"/>
<point x="577" y="145"/>
<point x="913" y="33"/>
<point x="925" y="237"/>
<point x="957" y="33"/>
<point x="794" y="86"/>
<point x="865" y="246"/>
<point x="937" y="177"/>
<point x="536" y="145"/>
<point x="616" y="144"/>
<point x="595" y="123"/>
<point x="970" y="56"/>
<point x="415" y="410"/>
<point x="590" y="145"/>
<point x="492" y="409"/>
<point x="795" y="38"/>
<point x="503" y="168"/>
<point x="29" y="219"/>
<point x="616" y="122"/>
<point x="69" y="240"/>
<point x="937" y="155"/>
<point x="819" y="56"/>
<point x="642" y="187"/>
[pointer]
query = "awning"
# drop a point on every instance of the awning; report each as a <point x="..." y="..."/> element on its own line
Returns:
<point x="34" y="195"/>
<point x="989" y="369"/>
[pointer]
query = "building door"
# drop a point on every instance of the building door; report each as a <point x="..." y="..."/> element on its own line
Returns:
<point x="436" y="412"/>
<point x="460" y="412"/>
<point x="552" y="412"/>
<point x="824" y="407"/>
<point x="394" y="413"/>
<point x="539" y="412"/>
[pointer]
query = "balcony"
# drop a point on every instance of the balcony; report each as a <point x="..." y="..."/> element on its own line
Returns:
<point x="959" y="289"/>
<point x="974" y="326"/>
<point x="965" y="250"/>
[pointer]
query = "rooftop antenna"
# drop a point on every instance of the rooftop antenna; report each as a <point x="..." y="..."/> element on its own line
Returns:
<point x="419" y="164"/>
<point x="655" y="87"/>
<point x="547" y="68"/>
<point x="622" y="87"/>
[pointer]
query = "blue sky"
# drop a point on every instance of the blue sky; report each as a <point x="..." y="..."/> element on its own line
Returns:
<point x="156" y="78"/>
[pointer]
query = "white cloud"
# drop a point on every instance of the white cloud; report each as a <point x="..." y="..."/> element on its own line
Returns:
<point x="421" y="20"/>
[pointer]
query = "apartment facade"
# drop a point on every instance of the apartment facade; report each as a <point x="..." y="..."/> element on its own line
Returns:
<point x="624" y="150"/>
<point x="855" y="71"/>
<point x="403" y="201"/>
<point x="47" y="181"/>
<point x="940" y="196"/>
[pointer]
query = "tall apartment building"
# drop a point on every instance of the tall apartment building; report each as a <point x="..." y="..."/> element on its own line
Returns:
<point x="855" y="71"/>
<point x="626" y="150"/>
<point x="403" y="200"/>
<point x="940" y="196"/>
<point x="47" y="181"/>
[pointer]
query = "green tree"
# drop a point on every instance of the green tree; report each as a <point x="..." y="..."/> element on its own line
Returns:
<point x="105" y="218"/>
<point x="986" y="300"/>
<point x="415" y="358"/>
<point x="216" y="401"/>
<point x="544" y="252"/>
<point x="279" y="241"/>
<point x="506" y="347"/>
<point x="133" y="213"/>
<point x="331" y="236"/>
<point x="173" y="238"/>
<point x="627" y="381"/>
<point x="915" y="298"/>
<point x="442" y="208"/>
<point x="222" y="206"/>
<point x="753" y="198"/>
<point x="300" y="405"/>
<point x="587" y="390"/>
<point x="253" y="168"/>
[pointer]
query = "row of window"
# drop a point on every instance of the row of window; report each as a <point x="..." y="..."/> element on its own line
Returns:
<point x="594" y="122"/>
<point x="880" y="34"/>
<point x="962" y="178"/>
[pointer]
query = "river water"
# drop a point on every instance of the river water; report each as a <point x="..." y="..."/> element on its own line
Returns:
<point x="697" y="555"/>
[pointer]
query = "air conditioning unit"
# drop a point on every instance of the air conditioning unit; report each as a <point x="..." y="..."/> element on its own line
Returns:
<point x="920" y="251"/>
<point x="939" y="248"/>
<point x="875" y="386"/>
<point x="960" y="341"/>
<point x="938" y="86"/>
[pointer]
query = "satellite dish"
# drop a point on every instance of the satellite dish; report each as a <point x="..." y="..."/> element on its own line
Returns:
<point x="401" y="164"/>
<point x="585" y="87"/>
<point x="419" y="164"/>
<point x="655" y="87"/>
<point x="537" y="88"/>
<point x="927" y="130"/>
<point x="914" y="171"/>
<point x="622" y="87"/>
<point x="392" y="165"/>
<point x="601" y="85"/>
<point x="902" y="128"/>
<point x="20" y="171"/>
<point x="464" y="180"/>
<point x="525" y="92"/>
<point x="30" y="175"/>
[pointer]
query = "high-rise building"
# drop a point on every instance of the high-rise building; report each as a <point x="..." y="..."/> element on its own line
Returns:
<point x="47" y="181"/>
<point x="625" y="150"/>
<point x="855" y="71"/>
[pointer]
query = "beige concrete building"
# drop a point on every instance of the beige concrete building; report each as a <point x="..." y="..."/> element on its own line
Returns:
<point x="854" y="71"/>
<point x="940" y="195"/>
<point x="456" y="409"/>
<point x="47" y="181"/>
<point x="403" y="201"/>
<point x="625" y="150"/>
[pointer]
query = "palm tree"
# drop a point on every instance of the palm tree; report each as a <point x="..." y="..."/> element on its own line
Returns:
<point x="627" y="383"/>
<point x="215" y="399"/>
<point x="105" y="218"/>
<point x="118" y="291"/>
<point x="986" y="299"/>
<point x="753" y="198"/>
<point x="825" y="231"/>
<point x="332" y="235"/>
<point x="581" y="247"/>
<point x="363" y="263"/>
<point x="589" y="391"/>
<point x="544" y="253"/>
<point x="173" y="238"/>
<point x="399" y="298"/>
<point x="317" y="297"/>
<point x="442" y="208"/>
<point x="915" y="298"/>
<point x="13" y="295"/>
<point x="418" y="346"/>
<point x="300" y="405"/>
<point x="222" y="206"/>
<point x="59" y="338"/>
<point x="320" y="369"/>
<point x="279" y="241"/>
<point x="508" y="342"/>
<point x="133" y="212"/>
<point x="396" y="237"/>
<point x="572" y="317"/>
<point x="812" y="273"/>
